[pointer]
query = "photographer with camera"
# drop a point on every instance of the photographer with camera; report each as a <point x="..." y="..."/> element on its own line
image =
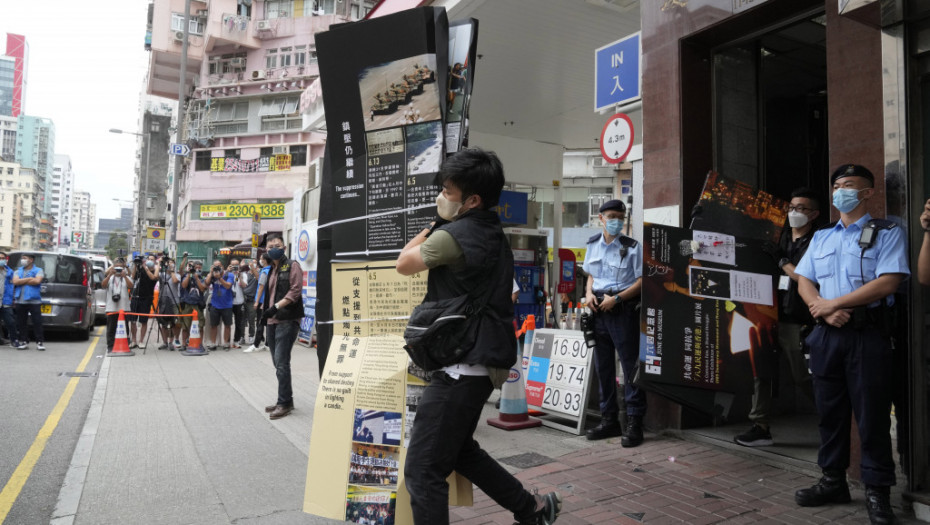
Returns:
<point x="168" y="295"/>
<point x="614" y="265"/>
<point x="221" y="304"/>
<point x="119" y="287"/>
<point x="144" y="275"/>
<point x="193" y="298"/>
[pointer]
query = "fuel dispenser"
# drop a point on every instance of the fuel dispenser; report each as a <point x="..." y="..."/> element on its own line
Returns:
<point x="530" y="253"/>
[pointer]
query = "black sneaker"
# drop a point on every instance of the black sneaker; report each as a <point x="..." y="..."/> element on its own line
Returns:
<point x="548" y="508"/>
<point x="757" y="436"/>
<point x="22" y="345"/>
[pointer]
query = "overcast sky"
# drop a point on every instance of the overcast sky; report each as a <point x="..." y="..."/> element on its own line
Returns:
<point x="87" y="62"/>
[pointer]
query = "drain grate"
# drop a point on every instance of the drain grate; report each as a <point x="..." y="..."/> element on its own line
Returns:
<point x="528" y="460"/>
<point x="77" y="374"/>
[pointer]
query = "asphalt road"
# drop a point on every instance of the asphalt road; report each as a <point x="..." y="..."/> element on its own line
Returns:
<point x="31" y="385"/>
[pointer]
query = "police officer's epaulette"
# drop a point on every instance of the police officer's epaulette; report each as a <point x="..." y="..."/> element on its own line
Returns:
<point x="594" y="238"/>
<point x="629" y="242"/>
<point x="882" y="224"/>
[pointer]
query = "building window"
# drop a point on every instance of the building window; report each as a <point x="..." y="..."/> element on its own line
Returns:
<point x="271" y="59"/>
<point x="300" y="55"/>
<point x="278" y="8"/>
<point x="312" y="55"/>
<point x="232" y="153"/>
<point x="280" y="113"/>
<point x="298" y="155"/>
<point x="266" y="152"/>
<point x="231" y="118"/>
<point x="202" y="161"/>
<point x="285" y="57"/>
<point x="324" y="7"/>
<point x="195" y="27"/>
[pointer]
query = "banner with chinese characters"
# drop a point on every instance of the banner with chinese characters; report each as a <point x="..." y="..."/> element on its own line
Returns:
<point x="229" y="210"/>
<point x="384" y="102"/>
<point x="367" y="400"/>
<point x="708" y="317"/>
<point x="261" y="164"/>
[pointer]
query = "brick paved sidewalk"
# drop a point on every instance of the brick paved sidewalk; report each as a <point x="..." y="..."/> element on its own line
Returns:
<point x="667" y="480"/>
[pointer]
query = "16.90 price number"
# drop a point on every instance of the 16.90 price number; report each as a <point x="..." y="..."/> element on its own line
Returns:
<point x="559" y="400"/>
<point x="569" y="349"/>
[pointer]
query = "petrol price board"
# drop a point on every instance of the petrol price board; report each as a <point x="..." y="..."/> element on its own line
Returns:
<point x="558" y="376"/>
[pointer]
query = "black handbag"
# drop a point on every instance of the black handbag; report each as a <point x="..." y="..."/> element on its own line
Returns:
<point x="440" y="333"/>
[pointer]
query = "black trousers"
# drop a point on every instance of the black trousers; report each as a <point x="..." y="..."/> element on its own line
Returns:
<point x="854" y="374"/>
<point x="617" y="333"/>
<point x="23" y="311"/>
<point x="442" y="441"/>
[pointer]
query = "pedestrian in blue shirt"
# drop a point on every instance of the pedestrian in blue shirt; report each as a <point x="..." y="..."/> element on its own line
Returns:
<point x="27" y="296"/>
<point x="221" y="303"/>
<point x="6" y="311"/>
<point x="848" y="278"/>
<point x="614" y="264"/>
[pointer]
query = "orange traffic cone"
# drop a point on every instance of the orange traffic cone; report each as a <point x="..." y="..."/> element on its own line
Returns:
<point x="121" y="344"/>
<point x="513" y="413"/>
<point x="193" y="343"/>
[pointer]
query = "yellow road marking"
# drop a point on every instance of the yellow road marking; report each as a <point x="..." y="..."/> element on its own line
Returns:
<point x="15" y="485"/>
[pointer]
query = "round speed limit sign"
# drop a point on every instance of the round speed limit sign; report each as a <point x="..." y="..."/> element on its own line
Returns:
<point x="617" y="138"/>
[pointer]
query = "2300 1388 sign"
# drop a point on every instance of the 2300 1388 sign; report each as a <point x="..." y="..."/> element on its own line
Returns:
<point x="242" y="211"/>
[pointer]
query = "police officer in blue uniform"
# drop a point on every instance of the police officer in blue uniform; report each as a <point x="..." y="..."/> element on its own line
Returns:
<point x="614" y="265"/>
<point x="848" y="278"/>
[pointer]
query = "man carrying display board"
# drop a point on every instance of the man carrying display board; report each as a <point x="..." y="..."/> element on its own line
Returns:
<point x="464" y="248"/>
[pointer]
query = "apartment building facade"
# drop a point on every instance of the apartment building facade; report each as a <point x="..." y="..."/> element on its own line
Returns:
<point x="15" y="179"/>
<point x="62" y="192"/>
<point x="11" y="209"/>
<point x="248" y="63"/>
<point x="8" y="127"/>
<point x="83" y="220"/>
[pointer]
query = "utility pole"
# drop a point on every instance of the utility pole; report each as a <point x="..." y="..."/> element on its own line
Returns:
<point x="182" y="92"/>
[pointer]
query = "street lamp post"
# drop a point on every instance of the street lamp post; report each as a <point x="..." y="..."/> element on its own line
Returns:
<point x="144" y="190"/>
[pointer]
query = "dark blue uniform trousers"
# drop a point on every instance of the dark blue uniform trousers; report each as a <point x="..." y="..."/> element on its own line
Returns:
<point x="853" y="374"/>
<point x="617" y="333"/>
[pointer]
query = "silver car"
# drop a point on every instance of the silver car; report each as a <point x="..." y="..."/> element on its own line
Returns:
<point x="68" y="303"/>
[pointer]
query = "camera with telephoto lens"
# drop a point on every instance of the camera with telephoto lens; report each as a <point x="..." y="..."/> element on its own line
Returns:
<point x="235" y="268"/>
<point x="587" y="329"/>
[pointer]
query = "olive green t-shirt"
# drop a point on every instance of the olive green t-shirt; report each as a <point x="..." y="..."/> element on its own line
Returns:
<point x="441" y="248"/>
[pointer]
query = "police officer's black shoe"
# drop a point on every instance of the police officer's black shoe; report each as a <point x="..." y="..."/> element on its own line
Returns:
<point x="878" y="501"/>
<point x="832" y="488"/>
<point x="633" y="436"/>
<point x="606" y="429"/>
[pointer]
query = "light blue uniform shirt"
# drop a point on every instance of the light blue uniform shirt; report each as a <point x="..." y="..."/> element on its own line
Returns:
<point x="832" y="260"/>
<point x="611" y="272"/>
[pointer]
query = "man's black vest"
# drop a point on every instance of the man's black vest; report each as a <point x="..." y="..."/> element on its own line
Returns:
<point x="282" y="273"/>
<point x="488" y="263"/>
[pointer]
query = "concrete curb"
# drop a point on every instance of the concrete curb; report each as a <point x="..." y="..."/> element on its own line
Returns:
<point x="69" y="497"/>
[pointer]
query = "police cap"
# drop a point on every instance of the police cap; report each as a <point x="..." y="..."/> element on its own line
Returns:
<point x="852" y="170"/>
<point x="613" y="205"/>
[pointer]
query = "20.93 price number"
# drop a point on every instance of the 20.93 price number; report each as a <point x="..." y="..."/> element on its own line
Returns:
<point x="560" y="400"/>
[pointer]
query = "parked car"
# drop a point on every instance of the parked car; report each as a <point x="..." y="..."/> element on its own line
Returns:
<point x="67" y="292"/>
<point x="100" y="261"/>
<point x="100" y="296"/>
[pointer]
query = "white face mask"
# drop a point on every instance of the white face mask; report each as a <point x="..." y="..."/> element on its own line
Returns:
<point x="447" y="209"/>
<point x="797" y="219"/>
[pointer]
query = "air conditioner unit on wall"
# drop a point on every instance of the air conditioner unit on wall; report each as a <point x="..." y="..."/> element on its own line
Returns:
<point x="179" y="36"/>
<point x="263" y="25"/>
<point x="599" y="162"/>
<point x="238" y="62"/>
<point x="258" y="74"/>
<point x="202" y="13"/>
<point x="280" y="150"/>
